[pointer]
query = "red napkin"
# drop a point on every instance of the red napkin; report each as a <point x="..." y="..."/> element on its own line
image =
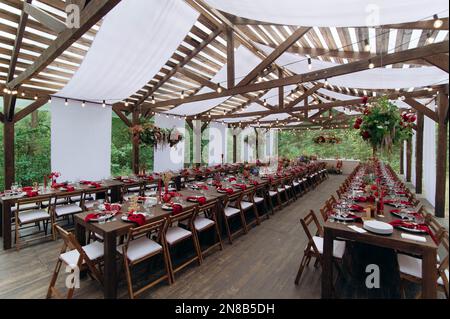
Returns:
<point x="256" y="183"/>
<point x="91" y="216"/>
<point x="32" y="193"/>
<point x="241" y="186"/>
<point x="58" y="185"/>
<point x="391" y="202"/>
<point x="204" y="187"/>
<point x="89" y="182"/>
<point x="357" y="208"/>
<point x="70" y="188"/>
<point x="409" y="225"/>
<point x="27" y="188"/>
<point x="411" y="214"/>
<point x="232" y="179"/>
<point x="361" y="199"/>
<point x="229" y="191"/>
<point x="200" y="200"/>
<point x="136" y="218"/>
<point x="176" y="209"/>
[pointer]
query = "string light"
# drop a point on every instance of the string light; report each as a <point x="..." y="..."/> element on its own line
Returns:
<point x="326" y="82"/>
<point x="265" y="102"/>
<point x="23" y="94"/>
<point x="103" y="104"/>
<point x="126" y="103"/>
<point x="182" y="95"/>
<point x="366" y="45"/>
<point x="66" y="102"/>
<point x="371" y="65"/>
<point x="430" y="39"/>
<point x="35" y="97"/>
<point x="83" y="104"/>
<point x="437" y="22"/>
<point x="50" y="100"/>
<point x="219" y="88"/>
<point x="309" y="64"/>
<point x="153" y="99"/>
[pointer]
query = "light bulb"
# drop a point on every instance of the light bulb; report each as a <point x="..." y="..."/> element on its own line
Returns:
<point x="103" y="104"/>
<point x="371" y="65"/>
<point x="366" y="45"/>
<point x="83" y="104"/>
<point x="309" y="64"/>
<point x="437" y="22"/>
<point x="66" y="102"/>
<point x="153" y="99"/>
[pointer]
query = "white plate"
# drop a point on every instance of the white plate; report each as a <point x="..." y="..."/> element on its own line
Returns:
<point x="378" y="227"/>
<point x="102" y="218"/>
<point x="412" y="230"/>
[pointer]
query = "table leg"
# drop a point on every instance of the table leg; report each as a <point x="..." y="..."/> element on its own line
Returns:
<point x="429" y="274"/>
<point x="6" y="225"/>
<point x="327" y="267"/>
<point x="109" y="273"/>
<point x="116" y="194"/>
<point x="80" y="233"/>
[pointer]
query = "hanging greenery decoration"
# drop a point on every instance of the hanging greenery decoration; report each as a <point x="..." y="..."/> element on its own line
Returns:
<point x="383" y="126"/>
<point x="152" y="135"/>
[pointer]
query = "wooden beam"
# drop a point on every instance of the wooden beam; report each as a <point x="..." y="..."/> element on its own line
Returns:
<point x="441" y="158"/>
<point x="280" y="90"/>
<point x="421" y="25"/>
<point x="234" y="148"/>
<point x="422" y="108"/>
<point x="44" y="18"/>
<point x="275" y="54"/>
<point x="326" y="106"/>
<point x="122" y="116"/>
<point x="30" y="109"/>
<point x="8" y="153"/>
<point x="379" y="60"/>
<point x="2" y="117"/>
<point x="402" y="159"/>
<point x="230" y="58"/>
<point x="305" y="95"/>
<point x="135" y="144"/>
<point x="79" y="3"/>
<point x="419" y="152"/>
<point x="438" y="60"/>
<point x="92" y="13"/>
<point x="408" y="159"/>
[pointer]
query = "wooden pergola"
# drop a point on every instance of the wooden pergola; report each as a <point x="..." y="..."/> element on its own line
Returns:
<point x="35" y="72"/>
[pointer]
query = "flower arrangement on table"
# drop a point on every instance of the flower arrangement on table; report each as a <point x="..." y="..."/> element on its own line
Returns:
<point x="383" y="126"/>
<point x="152" y="135"/>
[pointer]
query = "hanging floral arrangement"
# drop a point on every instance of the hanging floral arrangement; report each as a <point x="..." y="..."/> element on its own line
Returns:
<point x="152" y="135"/>
<point x="327" y="139"/>
<point x="383" y="126"/>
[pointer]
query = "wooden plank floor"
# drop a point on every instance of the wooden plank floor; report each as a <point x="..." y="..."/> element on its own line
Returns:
<point x="261" y="264"/>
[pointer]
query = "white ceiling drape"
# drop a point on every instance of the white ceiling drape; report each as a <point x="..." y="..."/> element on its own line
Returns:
<point x="135" y="40"/>
<point x="323" y="13"/>
<point x="378" y="78"/>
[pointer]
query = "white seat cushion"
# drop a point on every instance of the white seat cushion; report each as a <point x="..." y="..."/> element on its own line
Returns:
<point x="272" y="193"/>
<point x="440" y="280"/>
<point x="202" y="222"/>
<point x="230" y="211"/>
<point x="246" y="205"/>
<point x="140" y="248"/>
<point x="280" y="190"/>
<point x="75" y="198"/>
<point x="258" y="199"/>
<point x="67" y="210"/>
<point x="25" y="207"/>
<point x="287" y="186"/>
<point x="33" y="215"/>
<point x="134" y="189"/>
<point x="94" y="251"/>
<point x="174" y="234"/>
<point x="413" y="266"/>
<point x="91" y="203"/>
<point x="338" y="246"/>
<point x="296" y="184"/>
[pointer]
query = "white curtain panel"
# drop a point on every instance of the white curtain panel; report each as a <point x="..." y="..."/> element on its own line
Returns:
<point x="244" y="61"/>
<point x="429" y="159"/>
<point x="80" y="140"/>
<point x="217" y="145"/>
<point x="413" y="159"/>
<point x="378" y="78"/>
<point x="169" y="158"/>
<point x="332" y="13"/>
<point x="135" y="40"/>
<point x="197" y="142"/>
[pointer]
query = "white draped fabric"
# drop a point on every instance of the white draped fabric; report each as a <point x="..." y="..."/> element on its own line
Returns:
<point x="136" y="38"/>
<point x="429" y="159"/>
<point x="244" y="61"/>
<point x="169" y="158"/>
<point x="80" y="140"/>
<point x="217" y="146"/>
<point x="324" y="13"/>
<point x="378" y="78"/>
<point x="413" y="158"/>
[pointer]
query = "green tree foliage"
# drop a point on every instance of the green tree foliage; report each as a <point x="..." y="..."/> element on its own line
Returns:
<point x="293" y="144"/>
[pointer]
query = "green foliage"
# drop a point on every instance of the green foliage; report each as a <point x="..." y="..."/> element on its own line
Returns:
<point x="293" y="144"/>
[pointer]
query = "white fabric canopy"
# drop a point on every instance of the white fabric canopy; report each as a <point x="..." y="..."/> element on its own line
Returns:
<point x="80" y="140"/>
<point x="244" y="60"/>
<point x="135" y="40"/>
<point x="378" y="78"/>
<point x="332" y="13"/>
<point x="169" y="158"/>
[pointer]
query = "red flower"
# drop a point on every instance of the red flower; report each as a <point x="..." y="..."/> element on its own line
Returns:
<point x="365" y="135"/>
<point x="364" y="100"/>
<point x="412" y="118"/>
<point x="374" y="187"/>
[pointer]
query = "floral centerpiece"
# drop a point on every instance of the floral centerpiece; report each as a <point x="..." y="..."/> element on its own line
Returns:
<point x="383" y="126"/>
<point x="152" y="135"/>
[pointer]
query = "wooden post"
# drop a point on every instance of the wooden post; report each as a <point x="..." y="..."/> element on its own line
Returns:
<point x="8" y="155"/>
<point x="408" y="159"/>
<point x="402" y="164"/>
<point x="441" y="158"/>
<point x="234" y="148"/>
<point x="135" y="144"/>
<point x="230" y="58"/>
<point x="257" y="143"/>
<point x="280" y="90"/>
<point x="419" y="152"/>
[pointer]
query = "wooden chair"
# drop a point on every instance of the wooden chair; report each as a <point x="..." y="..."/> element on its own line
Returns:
<point x="411" y="267"/>
<point x="262" y="201"/>
<point x="77" y="258"/>
<point x="141" y="244"/>
<point x="93" y="197"/>
<point x="232" y="213"/>
<point x="66" y="210"/>
<point x="175" y="234"/>
<point x="314" y="247"/>
<point x="31" y="216"/>
<point x="274" y="195"/>
<point x="248" y="206"/>
<point x="207" y="220"/>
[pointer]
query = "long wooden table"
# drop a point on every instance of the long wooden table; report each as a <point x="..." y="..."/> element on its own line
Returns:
<point x="428" y="251"/>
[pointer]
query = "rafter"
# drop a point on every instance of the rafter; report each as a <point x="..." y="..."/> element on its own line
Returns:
<point x="122" y="116"/>
<point x="30" y="109"/>
<point x="438" y="60"/>
<point x="422" y="108"/>
<point x="378" y="61"/>
<point x="90" y="15"/>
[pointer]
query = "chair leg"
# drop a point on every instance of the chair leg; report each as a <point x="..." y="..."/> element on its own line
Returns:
<point x="129" y="279"/>
<point x="197" y="246"/>
<point x="218" y="235"/>
<point x="166" y="265"/>
<point x="300" y="269"/>
<point x="227" y="227"/>
<point x="54" y="278"/>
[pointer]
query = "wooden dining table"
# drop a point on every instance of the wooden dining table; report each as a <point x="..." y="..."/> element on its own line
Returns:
<point x="427" y="250"/>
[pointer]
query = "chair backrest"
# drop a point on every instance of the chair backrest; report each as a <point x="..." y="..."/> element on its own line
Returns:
<point x="187" y="215"/>
<point x="249" y="194"/>
<point x="309" y="219"/>
<point x="444" y="265"/>
<point x="236" y="197"/>
<point x="157" y="227"/>
<point x="435" y="227"/>
<point x="25" y="201"/>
